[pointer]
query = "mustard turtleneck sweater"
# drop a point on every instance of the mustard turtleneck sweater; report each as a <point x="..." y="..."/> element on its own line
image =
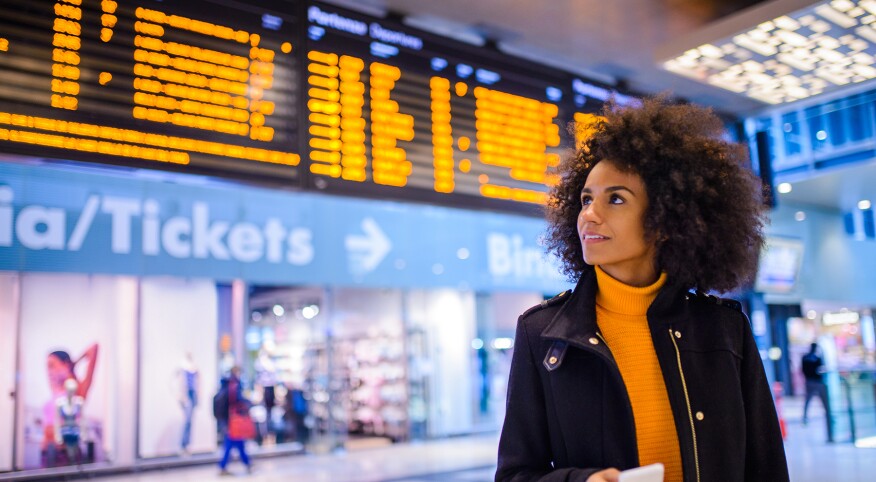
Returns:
<point x="620" y="314"/>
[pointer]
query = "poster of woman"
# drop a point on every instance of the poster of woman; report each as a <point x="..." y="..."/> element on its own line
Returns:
<point x="67" y="370"/>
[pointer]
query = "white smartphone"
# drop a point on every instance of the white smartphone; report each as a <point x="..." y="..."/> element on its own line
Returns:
<point x="647" y="473"/>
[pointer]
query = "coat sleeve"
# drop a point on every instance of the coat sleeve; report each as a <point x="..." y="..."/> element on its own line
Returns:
<point x="764" y="449"/>
<point x="525" y="445"/>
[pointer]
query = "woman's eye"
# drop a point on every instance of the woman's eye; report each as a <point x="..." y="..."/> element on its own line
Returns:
<point x="586" y="200"/>
<point x="615" y="199"/>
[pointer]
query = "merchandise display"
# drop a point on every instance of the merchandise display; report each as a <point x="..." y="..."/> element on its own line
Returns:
<point x="378" y="387"/>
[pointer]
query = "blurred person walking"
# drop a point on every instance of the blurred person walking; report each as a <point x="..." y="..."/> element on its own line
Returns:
<point x="813" y="371"/>
<point x="236" y="426"/>
<point x="632" y="368"/>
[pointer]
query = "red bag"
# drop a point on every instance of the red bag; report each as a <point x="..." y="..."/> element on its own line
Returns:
<point x="240" y="426"/>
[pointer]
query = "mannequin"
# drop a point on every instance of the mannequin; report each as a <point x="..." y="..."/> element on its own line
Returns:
<point x="267" y="378"/>
<point x="188" y="397"/>
<point x="60" y="367"/>
<point x="68" y="415"/>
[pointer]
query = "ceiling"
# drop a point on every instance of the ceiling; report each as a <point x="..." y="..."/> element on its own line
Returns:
<point x="618" y="42"/>
<point x="838" y="189"/>
<point x="611" y="41"/>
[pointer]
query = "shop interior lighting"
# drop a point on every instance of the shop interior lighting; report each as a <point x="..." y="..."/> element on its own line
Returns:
<point x="864" y="204"/>
<point x="310" y="311"/>
<point x="811" y="314"/>
<point x="800" y="216"/>
<point x="784" y="188"/>
<point x="840" y="318"/>
<point x="790" y="55"/>
<point x="279" y="310"/>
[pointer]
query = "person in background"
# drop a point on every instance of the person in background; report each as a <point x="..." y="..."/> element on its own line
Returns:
<point x="632" y="368"/>
<point x="230" y="399"/>
<point x="813" y="371"/>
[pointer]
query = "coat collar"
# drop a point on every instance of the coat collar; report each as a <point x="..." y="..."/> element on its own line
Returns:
<point x="575" y="322"/>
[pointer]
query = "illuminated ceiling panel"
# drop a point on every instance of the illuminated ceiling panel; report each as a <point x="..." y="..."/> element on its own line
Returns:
<point x="798" y="54"/>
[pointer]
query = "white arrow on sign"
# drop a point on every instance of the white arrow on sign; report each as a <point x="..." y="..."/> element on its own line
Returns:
<point x="366" y="252"/>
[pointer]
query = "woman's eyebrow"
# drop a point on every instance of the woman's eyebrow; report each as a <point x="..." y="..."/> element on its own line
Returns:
<point x="609" y="189"/>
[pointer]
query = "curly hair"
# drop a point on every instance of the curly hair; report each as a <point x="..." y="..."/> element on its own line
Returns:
<point x="705" y="209"/>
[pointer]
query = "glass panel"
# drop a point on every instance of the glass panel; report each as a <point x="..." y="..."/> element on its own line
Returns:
<point x="792" y="137"/>
<point x="817" y="128"/>
<point x="447" y="317"/>
<point x="68" y="383"/>
<point x="859" y="119"/>
<point x="836" y="123"/>
<point x="289" y="366"/>
<point x="178" y="323"/>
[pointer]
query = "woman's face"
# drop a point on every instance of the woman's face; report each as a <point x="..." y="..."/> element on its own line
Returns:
<point x="611" y="225"/>
<point x="58" y="371"/>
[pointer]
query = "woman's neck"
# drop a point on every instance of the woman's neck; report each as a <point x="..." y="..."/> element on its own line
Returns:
<point x="616" y="296"/>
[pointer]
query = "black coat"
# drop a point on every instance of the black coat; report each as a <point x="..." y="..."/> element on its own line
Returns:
<point x="569" y="415"/>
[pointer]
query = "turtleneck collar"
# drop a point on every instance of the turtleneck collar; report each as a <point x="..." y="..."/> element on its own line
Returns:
<point x="618" y="297"/>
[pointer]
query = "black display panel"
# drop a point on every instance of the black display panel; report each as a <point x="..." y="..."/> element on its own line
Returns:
<point x="285" y="93"/>
<point x="396" y="111"/>
<point x="186" y="85"/>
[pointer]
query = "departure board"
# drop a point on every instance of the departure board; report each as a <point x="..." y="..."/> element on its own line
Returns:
<point x="185" y="85"/>
<point x="289" y="93"/>
<point x="399" y="110"/>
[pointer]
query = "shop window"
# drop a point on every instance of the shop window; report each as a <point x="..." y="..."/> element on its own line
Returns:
<point x="71" y="377"/>
<point x="178" y="325"/>
<point x="287" y="362"/>
<point x="9" y="302"/>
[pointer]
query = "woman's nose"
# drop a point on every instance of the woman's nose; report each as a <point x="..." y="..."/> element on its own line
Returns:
<point x="590" y="213"/>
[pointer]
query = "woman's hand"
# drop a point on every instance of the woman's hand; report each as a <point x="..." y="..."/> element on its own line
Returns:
<point x="607" y="475"/>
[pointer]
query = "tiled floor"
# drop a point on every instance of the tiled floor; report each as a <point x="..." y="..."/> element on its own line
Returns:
<point x="472" y="459"/>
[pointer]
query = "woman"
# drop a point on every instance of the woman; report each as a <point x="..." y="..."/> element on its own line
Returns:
<point x="631" y="368"/>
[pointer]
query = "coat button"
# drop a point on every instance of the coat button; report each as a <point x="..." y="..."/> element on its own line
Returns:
<point x="677" y="334"/>
<point x="700" y="416"/>
<point x="552" y="360"/>
<point x="594" y="341"/>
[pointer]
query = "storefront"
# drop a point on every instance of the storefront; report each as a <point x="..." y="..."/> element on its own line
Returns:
<point x="355" y="322"/>
<point x="819" y="290"/>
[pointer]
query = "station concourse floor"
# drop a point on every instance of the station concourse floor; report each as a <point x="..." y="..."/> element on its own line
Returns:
<point x="473" y="458"/>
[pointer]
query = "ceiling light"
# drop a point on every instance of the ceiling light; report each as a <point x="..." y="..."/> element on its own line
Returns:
<point x="825" y="45"/>
<point x="800" y="216"/>
<point x="864" y="204"/>
<point x="784" y="188"/>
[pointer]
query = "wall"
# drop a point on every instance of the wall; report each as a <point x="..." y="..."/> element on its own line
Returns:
<point x="8" y="343"/>
<point x="448" y="317"/>
<point x="835" y="266"/>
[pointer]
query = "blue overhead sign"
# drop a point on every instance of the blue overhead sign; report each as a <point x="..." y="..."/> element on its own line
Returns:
<point x="59" y="220"/>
